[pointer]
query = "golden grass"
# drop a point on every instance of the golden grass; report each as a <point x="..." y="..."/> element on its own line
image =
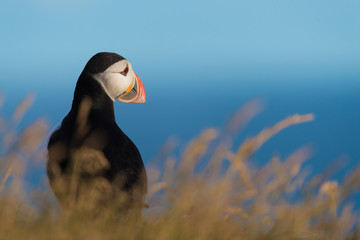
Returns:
<point x="224" y="199"/>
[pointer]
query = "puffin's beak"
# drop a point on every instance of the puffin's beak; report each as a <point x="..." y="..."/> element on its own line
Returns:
<point x="141" y="96"/>
<point x="134" y="93"/>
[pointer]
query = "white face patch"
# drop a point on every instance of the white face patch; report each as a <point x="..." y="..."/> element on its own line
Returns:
<point x="117" y="79"/>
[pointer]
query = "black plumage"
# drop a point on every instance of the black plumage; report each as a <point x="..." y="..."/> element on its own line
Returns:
<point x="89" y="151"/>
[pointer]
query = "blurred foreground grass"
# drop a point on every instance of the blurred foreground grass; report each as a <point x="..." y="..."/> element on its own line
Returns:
<point x="223" y="198"/>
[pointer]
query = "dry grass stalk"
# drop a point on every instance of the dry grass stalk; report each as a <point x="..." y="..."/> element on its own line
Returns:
<point x="5" y="178"/>
<point x="251" y="145"/>
<point x="23" y="107"/>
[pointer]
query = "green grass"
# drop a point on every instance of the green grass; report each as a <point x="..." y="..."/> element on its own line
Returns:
<point x="277" y="201"/>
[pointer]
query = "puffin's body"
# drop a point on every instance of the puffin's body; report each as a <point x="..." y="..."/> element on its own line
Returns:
<point x="89" y="156"/>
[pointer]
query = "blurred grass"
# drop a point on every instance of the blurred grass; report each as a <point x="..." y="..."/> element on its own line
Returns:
<point x="222" y="199"/>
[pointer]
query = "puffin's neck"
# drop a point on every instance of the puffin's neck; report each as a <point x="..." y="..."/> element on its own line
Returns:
<point x="102" y="106"/>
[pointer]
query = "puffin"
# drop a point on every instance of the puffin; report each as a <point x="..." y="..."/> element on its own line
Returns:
<point x="92" y="163"/>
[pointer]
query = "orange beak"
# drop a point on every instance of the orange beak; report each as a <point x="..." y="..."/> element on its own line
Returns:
<point x="141" y="97"/>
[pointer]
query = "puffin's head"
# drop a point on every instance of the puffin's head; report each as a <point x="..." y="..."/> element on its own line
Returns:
<point x="116" y="76"/>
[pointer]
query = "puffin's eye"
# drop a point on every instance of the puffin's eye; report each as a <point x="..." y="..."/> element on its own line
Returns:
<point x="125" y="71"/>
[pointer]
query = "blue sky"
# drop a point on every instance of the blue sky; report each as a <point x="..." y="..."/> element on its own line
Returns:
<point x="60" y="36"/>
<point x="199" y="61"/>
